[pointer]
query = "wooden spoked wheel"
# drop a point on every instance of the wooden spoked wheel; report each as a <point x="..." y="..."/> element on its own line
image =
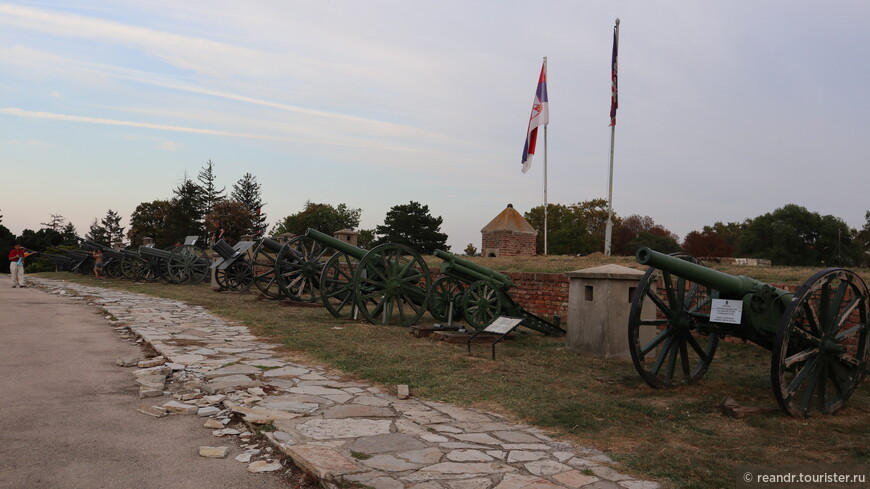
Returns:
<point x="482" y="303"/>
<point x="821" y="350"/>
<point x="446" y="293"/>
<point x="263" y="264"/>
<point x="189" y="264"/>
<point x="336" y="285"/>
<point x="132" y="268"/>
<point x="669" y="342"/>
<point x="237" y="276"/>
<point x="390" y="283"/>
<point x="298" y="268"/>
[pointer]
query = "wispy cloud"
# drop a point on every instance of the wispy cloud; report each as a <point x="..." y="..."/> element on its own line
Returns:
<point x="35" y="60"/>
<point x="170" y="146"/>
<point x="31" y="143"/>
<point x="13" y="111"/>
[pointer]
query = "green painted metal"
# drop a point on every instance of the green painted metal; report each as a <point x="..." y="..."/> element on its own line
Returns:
<point x="486" y="296"/>
<point x="763" y="304"/>
<point x="336" y="244"/>
<point x="458" y="267"/>
<point x="818" y="336"/>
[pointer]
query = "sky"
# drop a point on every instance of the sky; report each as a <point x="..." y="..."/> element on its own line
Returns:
<point x="727" y="110"/>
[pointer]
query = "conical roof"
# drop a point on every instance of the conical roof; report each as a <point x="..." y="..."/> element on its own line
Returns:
<point x="511" y="221"/>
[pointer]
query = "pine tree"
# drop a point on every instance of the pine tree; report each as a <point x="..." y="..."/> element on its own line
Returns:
<point x="69" y="235"/>
<point x="97" y="233"/>
<point x="112" y="224"/>
<point x="247" y="192"/>
<point x="56" y="223"/>
<point x="412" y="224"/>
<point x="210" y="194"/>
<point x="186" y="218"/>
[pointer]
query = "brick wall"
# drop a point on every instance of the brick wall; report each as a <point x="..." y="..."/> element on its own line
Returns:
<point x="509" y="244"/>
<point x="542" y="294"/>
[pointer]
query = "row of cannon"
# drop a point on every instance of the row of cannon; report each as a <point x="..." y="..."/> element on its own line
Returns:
<point x="389" y="284"/>
<point x="818" y="336"/>
<point x="185" y="263"/>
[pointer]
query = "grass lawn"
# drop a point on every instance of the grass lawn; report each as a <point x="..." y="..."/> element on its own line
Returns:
<point x="676" y="436"/>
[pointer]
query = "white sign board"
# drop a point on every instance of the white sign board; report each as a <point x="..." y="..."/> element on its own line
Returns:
<point x="726" y="311"/>
<point x="503" y="325"/>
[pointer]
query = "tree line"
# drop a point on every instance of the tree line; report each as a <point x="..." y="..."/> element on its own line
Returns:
<point x="790" y="235"/>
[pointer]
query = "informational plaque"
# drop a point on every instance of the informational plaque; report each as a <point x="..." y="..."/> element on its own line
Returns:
<point x="726" y="311"/>
<point x="503" y="325"/>
<point x="498" y="329"/>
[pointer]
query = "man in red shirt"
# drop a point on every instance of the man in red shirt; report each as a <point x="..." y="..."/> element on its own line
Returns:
<point x="16" y="265"/>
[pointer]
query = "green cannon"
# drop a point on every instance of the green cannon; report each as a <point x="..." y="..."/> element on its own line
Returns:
<point x="177" y="264"/>
<point x="263" y="264"/>
<point x="111" y="259"/>
<point x="818" y="335"/>
<point x="479" y="295"/>
<point x="387" y="284"/>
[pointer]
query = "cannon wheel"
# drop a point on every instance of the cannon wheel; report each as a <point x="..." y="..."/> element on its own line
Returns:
<point x="390" y="285"/>
<point x="238" y="276"/>
<point x="668" y="349"/>
<point x="439" y="300"/>
<point x="131" y="268"/>
<point x="298" y="269"/>
<point x="265" y="279"/>
<point x="187" y="263"/>
<point x="482" y="304"/>
<point x="336" y="285"/>
<point x="112" y="269"/>
<point x="822" y="347"/>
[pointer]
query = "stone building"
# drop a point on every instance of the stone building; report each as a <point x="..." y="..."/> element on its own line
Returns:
<point x="508" y="234"/>
<point x="347" y="235"/>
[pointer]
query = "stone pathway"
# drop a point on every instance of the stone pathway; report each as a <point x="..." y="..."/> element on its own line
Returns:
<point x="340" y="432"/>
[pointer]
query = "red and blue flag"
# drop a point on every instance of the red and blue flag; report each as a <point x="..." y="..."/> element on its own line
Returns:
<point x="540" y="117"/>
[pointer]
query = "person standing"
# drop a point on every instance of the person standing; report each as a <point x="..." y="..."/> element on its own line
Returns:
<point x="16" y="265"/>
<point x="98" y="263"/>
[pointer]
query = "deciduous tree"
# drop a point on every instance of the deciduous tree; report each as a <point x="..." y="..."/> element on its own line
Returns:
<point x="322" y="217"/>
<point x="233" y="217"/>
<point x="794" y="236"/>
<point x="635" y="231"/>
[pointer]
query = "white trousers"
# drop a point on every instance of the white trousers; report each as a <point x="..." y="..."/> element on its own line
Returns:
<point x="17" y="272"/>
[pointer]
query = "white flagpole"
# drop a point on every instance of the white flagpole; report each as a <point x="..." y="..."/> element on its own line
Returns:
<point x="608" y="233"/>
<point x="546" y="154"/>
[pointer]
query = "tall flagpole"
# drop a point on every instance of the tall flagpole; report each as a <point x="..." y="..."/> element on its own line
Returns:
<point x="546" y="154"/>
<point x="614" y="103"/>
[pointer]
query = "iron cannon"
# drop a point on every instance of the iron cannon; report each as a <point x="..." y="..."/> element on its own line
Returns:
<point x="387" y="284"/>
<point x="233" y="271"/>
<point x="817" y="335"/>
<point x="479" y="295"/>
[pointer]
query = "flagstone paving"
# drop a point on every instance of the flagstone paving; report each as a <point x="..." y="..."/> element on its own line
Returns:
<point x="340" y="432"/>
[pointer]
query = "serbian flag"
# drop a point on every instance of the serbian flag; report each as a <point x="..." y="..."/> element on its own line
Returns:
<point x="540" y="117"/>
<point x="614" y="93"/>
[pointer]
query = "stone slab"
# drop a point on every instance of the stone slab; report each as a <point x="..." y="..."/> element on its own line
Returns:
<point x="391" y="442"/>
<point x="321" y="462"/>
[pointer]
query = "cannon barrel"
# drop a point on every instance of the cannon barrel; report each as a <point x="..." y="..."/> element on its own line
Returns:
<point x="271" y="245"/>
<point x="337" y="244"/>
<point x="461" y="268"/>
<point x="729" y="286"/>
<point x="154" y="253"/>
<point x="223" y="249"/>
